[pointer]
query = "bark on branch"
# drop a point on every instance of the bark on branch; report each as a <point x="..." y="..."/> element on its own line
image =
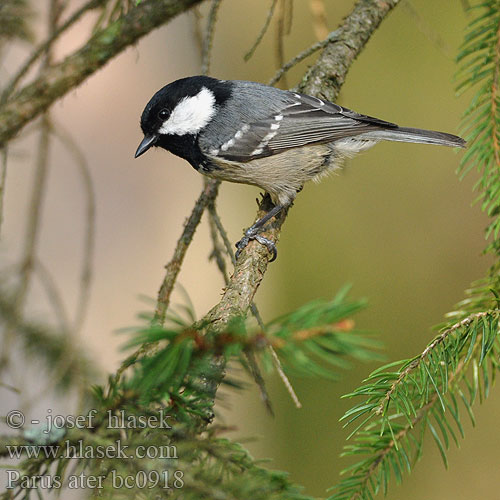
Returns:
<point x="325" y="77"/>
<point x="57" y="80"/>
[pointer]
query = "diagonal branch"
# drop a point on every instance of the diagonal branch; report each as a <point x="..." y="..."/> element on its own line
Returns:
<point x="327" y="76"/>
<point x="251" y="266"/>
<point x="337" y="57"/>
<point x="349" y="41"/>
<point x="56" y="81"/>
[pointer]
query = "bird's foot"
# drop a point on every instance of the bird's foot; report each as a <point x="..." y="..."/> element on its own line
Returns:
<point x="251" y="234"/>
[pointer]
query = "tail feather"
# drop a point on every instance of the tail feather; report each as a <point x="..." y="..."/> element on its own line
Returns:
<point x="404" y="134"/>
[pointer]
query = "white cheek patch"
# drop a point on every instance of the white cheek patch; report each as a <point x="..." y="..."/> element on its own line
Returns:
<point x="191" y="114"/>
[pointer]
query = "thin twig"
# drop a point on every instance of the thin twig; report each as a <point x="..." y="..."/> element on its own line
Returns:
<point x="332" y="37"/>
<point x="214" y="216"/>
<point x="53" y="295"/>
<point x="209" y="36"/>
<point x="320" y="25"/>
<point x="198" y="30"/>
<point x="217" y="252"/>
<point x="89" y="238"/>
<point x="3" y="179"/>
<point x="31" y="235"/>
<point x="44" y="46"/>
<point x="208" y="193"/>
<point x="263" y="31"/>
<point x="284" y="378"/>
<point x="425" y="28"/>
<point x="327" y="75"/>
<point x="279" y="39"/>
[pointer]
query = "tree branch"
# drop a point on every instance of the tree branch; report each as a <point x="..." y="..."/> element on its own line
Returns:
<point x="56" y="81"/>
<point x="348" y="42"/>
<point x="327" y="75"/>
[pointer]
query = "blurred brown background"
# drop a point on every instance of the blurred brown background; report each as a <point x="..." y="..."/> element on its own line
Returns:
<point x="395" y="223"/>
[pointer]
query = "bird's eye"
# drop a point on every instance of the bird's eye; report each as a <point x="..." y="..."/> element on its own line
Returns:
<point x="163" y="114"/>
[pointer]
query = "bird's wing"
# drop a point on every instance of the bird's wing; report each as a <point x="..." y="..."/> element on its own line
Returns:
<point x="303" y="120"/>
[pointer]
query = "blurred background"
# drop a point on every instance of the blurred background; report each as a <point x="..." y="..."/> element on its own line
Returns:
<point x="396" y="223"/>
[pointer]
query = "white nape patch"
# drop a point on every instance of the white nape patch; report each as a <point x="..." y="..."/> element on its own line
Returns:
<point x="191" y="114"/>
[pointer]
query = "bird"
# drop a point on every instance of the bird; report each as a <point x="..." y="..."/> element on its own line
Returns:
<point x="251" y="133"/>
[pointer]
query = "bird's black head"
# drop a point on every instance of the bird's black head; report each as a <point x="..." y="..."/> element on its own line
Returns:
<point x="176" y="114"/>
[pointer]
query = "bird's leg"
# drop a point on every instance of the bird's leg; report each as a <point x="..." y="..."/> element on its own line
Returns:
<point x="252" y="233"/>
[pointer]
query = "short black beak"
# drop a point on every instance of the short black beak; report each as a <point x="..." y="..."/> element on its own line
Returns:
<point x="145" y="144"/>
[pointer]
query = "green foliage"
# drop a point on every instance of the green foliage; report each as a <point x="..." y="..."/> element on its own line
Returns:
<point x="312" y="341"/>
<point x="404" y="398"/>
<point x="176" y="370"/>
<point x="176" y="380"/>
<point x="479" y="60"/>
<point x="178" y="464"/>
<point x="318" y="337"/>
<point x="433" y="391"/>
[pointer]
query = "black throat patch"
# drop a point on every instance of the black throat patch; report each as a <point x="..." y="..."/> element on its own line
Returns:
<point x="186" y="147"/>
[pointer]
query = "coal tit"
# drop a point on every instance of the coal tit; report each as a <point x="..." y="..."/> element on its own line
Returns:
<point x="251" y="133"/>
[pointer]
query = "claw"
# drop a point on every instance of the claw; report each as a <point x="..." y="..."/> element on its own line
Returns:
<point x="263" y="241"/>
<point x="269" y="245"/>
<point x="252" y="233"/>
<point x="241" y="245"/>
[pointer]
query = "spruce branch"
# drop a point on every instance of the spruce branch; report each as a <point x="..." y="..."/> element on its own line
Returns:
<point x="313" y="341"/>
<point x="479" y="70"/>
<point x="399" y="405"/>
<point x="428" y="351"/>
<point x="303" y="55"/>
